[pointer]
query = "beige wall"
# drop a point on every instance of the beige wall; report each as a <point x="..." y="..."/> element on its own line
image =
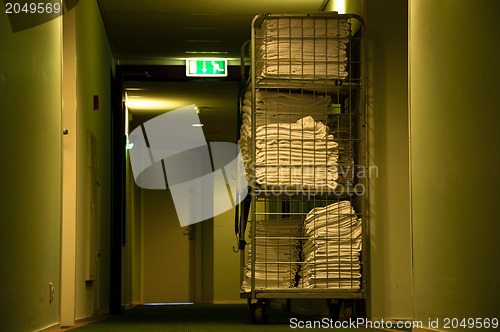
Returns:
<point x="455" y="49"/>
<point x="165" y="255"/>
<point x="31" y="97"/>
<point x="94" y="69"/>
<point x="30" y="106"/>
<point x="390" y="231"/>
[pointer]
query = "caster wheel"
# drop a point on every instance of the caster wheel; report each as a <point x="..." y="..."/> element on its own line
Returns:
<point x="260" y="313"/>
<point x="252" y="312"/>
<point x="334" y="311"/>
<point x="348" y="310"/>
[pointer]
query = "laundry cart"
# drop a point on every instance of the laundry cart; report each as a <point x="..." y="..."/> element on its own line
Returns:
<point x="303" y="228"/>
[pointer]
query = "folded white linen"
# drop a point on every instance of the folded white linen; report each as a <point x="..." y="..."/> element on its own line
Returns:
<point x="304" y="183"/>
<point x="284" y="144"/>
<point x="346" y="247"/>
<point x="281" y="134"/>
<point x="307" y="41"/>
<point x="296" y="173"/>
<point x="347" y="224"/>
<point x="332" y="251"/>
<point x="322" y="264"/>
<point x="333" y="232"/>
<point x="305" y="124"/>
<point x="341" y="207"/>
<point x="302" y="50"/>
<point x="263" y="163"/>
<point x="303" y="71"/>
<point x="266" y="99"/>
<point x="296" y="159"/>
<point x="328" y="275"/>
<point x="304" y="27"/>
<point x="304" y="147"/>
<point x="332" y="284"/>
<point x="342" y="219"/>
<point x="276" y="256"/>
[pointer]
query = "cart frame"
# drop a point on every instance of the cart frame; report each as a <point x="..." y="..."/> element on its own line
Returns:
<point x="355" y="88"/>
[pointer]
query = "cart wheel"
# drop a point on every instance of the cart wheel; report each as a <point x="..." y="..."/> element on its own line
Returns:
<point x="348" y="310"/>
<point x="252" y="312"/>
<point x="334" y="310"/>
<point x="251" y="307"/>
<point x="260" y="313"/>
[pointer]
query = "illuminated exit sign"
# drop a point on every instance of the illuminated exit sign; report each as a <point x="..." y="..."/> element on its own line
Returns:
<point x="206" y="67"/>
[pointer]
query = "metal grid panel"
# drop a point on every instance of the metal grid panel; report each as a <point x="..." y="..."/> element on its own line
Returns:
<point x="303" y="140"/>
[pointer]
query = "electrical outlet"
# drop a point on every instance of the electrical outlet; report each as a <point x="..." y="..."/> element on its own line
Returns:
<point x="51" y="292"/>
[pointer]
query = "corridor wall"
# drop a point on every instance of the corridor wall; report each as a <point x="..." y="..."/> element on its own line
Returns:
<point x="454" y="158"/>
<point x="30" y="168"/>
<point x="94" y="70"/>
<point x="390" y="225"/>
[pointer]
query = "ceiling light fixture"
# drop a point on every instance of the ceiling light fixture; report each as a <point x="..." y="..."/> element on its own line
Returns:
<point x="197" y="125"/>
<point x="134" y="89"/>
<point x="197" y="52"/>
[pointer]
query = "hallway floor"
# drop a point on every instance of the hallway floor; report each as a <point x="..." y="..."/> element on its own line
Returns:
<point x="197" y="317"/>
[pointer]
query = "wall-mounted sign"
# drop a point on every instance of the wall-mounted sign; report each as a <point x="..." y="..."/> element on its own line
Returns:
<point x="206" y="67"/>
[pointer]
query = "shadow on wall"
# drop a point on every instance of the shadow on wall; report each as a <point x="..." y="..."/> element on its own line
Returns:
<point x="377" y="156"/>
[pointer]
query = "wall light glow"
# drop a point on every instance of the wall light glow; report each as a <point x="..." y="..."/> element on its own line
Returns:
<point x="136" y="103"/>
<point x="339" y="6"/>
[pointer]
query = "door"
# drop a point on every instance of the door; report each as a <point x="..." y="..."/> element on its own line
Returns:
<point x="166" y="258"/>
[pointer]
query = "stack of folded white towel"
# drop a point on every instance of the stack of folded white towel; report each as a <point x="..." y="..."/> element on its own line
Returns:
<point x="277" y="255"/>
<point x="332" y="250"/>
<point x="296" y="155"/>
<point x="303" y="141"/>
<point x="302" y="48"/>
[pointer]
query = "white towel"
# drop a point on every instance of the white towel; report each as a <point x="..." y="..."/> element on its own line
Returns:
<point x="333" y="248"/>
<point x="308" y="41"/>
<point x="304" y="28"/>
<point x="302" y="50"/>
<point x="316" y="71"/>
<point x="316" y="144"/>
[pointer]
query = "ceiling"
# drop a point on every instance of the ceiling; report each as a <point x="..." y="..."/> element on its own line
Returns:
<point x="217" y="102"/>
<point x="161" y="30"/>
<point x="166" y="32"/>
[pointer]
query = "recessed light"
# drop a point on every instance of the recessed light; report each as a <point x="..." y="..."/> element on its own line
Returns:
<point x="196" y="52"/>
<point x="197" y="124"/>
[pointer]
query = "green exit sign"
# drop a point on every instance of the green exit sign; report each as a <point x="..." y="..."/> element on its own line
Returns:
<point x="206" y="67"/>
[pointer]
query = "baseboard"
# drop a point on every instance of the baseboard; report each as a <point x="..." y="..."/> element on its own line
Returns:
<point x="84" y="321"/>
<point x="50" y="328"/>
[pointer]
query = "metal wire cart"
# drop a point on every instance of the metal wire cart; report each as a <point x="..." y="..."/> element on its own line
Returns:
<point x="303" y="140"/>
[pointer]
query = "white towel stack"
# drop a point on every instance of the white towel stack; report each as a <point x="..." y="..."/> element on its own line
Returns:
<point x="273" y="108"/>
<point x="277" y="256"/>
<point x="296" y="155"/>
<point x="302" y="48"/>
<point x="332" y="251"/>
